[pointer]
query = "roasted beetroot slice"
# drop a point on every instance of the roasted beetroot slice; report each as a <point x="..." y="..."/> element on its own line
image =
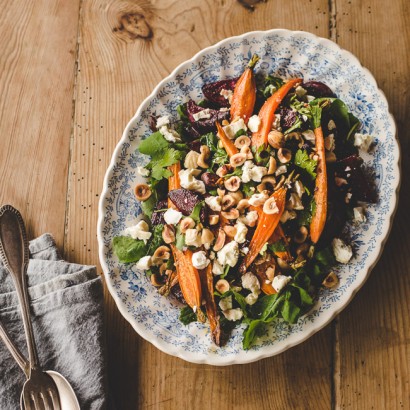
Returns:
<point x="287" y="117"/>
<point x="210" y="179"/>
<point x="351" y="169"/>
<point x="157" y="218"/>
<point x="318" y="89"/>
<point x="205" y="124"/>
<point x="212" y="91"/>
<point x="184" y="200"/>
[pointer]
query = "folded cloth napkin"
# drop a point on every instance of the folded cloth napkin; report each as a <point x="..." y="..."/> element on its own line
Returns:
<point x="66" y="306"/>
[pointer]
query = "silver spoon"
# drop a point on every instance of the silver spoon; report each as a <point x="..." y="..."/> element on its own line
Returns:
<point x="68" y="399"/>
<point x="39" y="386"/>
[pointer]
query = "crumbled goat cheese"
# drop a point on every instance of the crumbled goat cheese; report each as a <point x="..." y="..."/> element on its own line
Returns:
<point x="233" y="314"/>
<point x="258" y="199"/>
<point x="299" y="188"/>
<point x="280" y="281"/>
<point x="214" y="202"/>
<point x="143" y="171"/>
<point x="204" y="114"/>
<point x="254" y="123"/>
<point x="294" y="202"/>
<point x="281" y="170"/>
<point x="249" y="219"/>
<point x="363" y="141"/>
<point x="343" y="252"/>
<point x="227" y="94"/>
<point x="139" y="231"/>
<point x="226" y="303"/>
<point x="172" y="217"/>
<point x="144" y="263"/>
<point x="169" y="134"/>
<point x="250" y="282"/>
<point x="188" y="181"/>
<point x="217" y="268"/>
<point x="241" y="231"/>
<point x="251" y="298"/>
<point x="310" y="98"/>
<point x="161" y="121"/>
<point x="359" y="215"/>
<point x="234" y="127"/>
<point x="192" y="238"/>
<point x="199" y="260"/>
<point x="276" y="123"/>
<point x="245" y="250"/>
<point x="229" y="254"/>
<point x="309" y="135"/>
<point x="300" y="91"/>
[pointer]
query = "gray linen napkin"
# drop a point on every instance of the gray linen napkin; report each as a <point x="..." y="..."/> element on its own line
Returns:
<point x="66" y="305"/>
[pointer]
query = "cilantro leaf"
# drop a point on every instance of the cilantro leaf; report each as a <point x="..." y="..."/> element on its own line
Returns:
<point x="128" y="249"/>
<point x="159" y="165"/>
<point x="154" y="145"/>
<point x="303" y="161"/>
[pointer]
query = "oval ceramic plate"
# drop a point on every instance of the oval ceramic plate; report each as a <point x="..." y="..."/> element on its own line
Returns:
<point x="286" y="54"/>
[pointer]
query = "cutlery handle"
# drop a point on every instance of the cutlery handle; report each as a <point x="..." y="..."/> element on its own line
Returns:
<point x="15" y="351"/>
<point x="14" y="254"/>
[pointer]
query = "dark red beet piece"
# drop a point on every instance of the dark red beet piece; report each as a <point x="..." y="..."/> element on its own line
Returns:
<point x="205" y="124"/>
<point x="212" y="91"/>
<point x="318" y="89"/>
<point x="287" y="117"/>
<point x="157" y="218"/>
<point x="184" y="200"/>
<point x="195" y="145"/>
<point x="209" y="179"/>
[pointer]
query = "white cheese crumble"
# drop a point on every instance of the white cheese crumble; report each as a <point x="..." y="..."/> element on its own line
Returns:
<point x="363" y="141"/>
<point x="249" y="219"/>
<point x="309" y="135"/>
<point x="241" y="231"/>
<point x="192" y="238"/>
<point x="250" y="282"/>
<point x="258" y="199"/>
<point x="281" y="170"/>
<point x="251" y="172"/>
<point x="199" y="260"/>
<point x="229" y="254"/>
<point x="343" y="252"/>
<point x="276" y="123"/>
<point x="214" y="202"/>
<point x="227" y="94"/>
<point x="299" y="188"/>
<point x="204" y="114"/>
<point x="144" y="263"/>
<point x="143" y="171"/>
<point x="172" y="217"/>
<point x="233" y="314"/>
<point x="161" y="121"/>
<point x="254" y="123"/>
<point x="234" y="127"/>
<point x="226" y="303"/>
<point x="251" y="298"/>
<point x="359" y="215"/>
<point x="280" y="281"/>
<point x="294" y="202"/>
<point x="139" y="231"/>
<point x="188" y="181"/>
<point x="217" y="268"/>
<point x="300" y="91"/>
<point x="169" y="134"/>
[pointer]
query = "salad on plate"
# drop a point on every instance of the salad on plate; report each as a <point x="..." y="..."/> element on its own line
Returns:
<point x="246" y="201"/>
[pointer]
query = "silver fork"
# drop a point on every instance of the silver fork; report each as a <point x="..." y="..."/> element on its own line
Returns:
<point x="39" y="391"/>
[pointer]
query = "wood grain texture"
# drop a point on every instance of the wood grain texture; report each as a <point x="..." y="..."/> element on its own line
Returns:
<point x="372" y="370"/>
<point x="37" y="67"/>
<point x="126" y="48"/>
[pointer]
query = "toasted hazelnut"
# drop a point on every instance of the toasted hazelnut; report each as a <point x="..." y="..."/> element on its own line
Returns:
<point x="237" y="160"/>
<point x="294" y="136"/>
<point x="301" y="235"/>
<point x="283" y="264"/>
<point x="247" y="152"/>
<point x="331" y="281"/>
<point x="142" y="192"/>
<point x="237" y="196"/>
<point x="284" y="155"/>
<point x="280" y="183"/>
<point x="242" y="204"/>
<point x="275" y="139"/>
<point x="223" y="170"/>
<point x="163" y="268"/>
<point x="213" y="219"/>
<point x="203" y="157"/>
<point x="191" y="160"/>
<point x="233" y="183"/>
<point x="168" y="234"/>
<point x="163" y="252"/>
<point x="268" y="184"/>
<point x="272" y="166"/>
<point x="330" y="156"/>
<point x="270" y="207"/>
<point x="221" y="192"/>
<point x="222" y="286"/>
<point x="228" y="201"/>
<point x="230" y="231"/>
<point x="186" y="223"/>
<point x="231" y="214"/>
<point x="220" y="241"/>
<point x="156" y="280"/>
<point x="207" y="237"/>
<point x="242" y="141"/>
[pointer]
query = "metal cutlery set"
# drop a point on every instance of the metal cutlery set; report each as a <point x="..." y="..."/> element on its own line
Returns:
<point x="46" y="390"/>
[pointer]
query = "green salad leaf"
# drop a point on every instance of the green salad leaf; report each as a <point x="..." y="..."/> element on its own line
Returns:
<point x="303" y="161"/>
<point x="187" y="315"/>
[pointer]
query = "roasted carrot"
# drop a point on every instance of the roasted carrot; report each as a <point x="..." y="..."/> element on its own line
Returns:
<point x="173" y="180"/>
<point x="189" y="281"/>
<point x="266" y="226"/>
<point x="320" y="195"/>
<point x="226" y="142"/>
<point x="207" y="283"/>
<point x="244" y="94"/>
<point x="267" y="113"/>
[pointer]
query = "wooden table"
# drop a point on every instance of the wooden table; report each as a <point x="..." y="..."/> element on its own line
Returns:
<point x="74" y="72"/>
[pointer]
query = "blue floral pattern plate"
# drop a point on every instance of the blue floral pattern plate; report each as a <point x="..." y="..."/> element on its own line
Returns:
<point x="286" y="54"/>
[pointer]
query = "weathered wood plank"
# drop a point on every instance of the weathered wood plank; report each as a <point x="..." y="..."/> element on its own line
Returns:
<point x="126" y="48"/>
<point x="37" y="67"/>
<point x="372" y="370"/>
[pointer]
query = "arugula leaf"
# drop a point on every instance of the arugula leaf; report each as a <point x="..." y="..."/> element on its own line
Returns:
<point x="303" y="161"/>
<point x="242" y="302"/>
<point x="255" y="328"/>
<point x="316" y="116"/>
<point x="156" y="239"/>
<point x="187" y="315"/>
<point x="278" y="246"/>
<point x="290" y="311"/>
<point x="154" y="145"/>
<point x="128" y="249"/>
